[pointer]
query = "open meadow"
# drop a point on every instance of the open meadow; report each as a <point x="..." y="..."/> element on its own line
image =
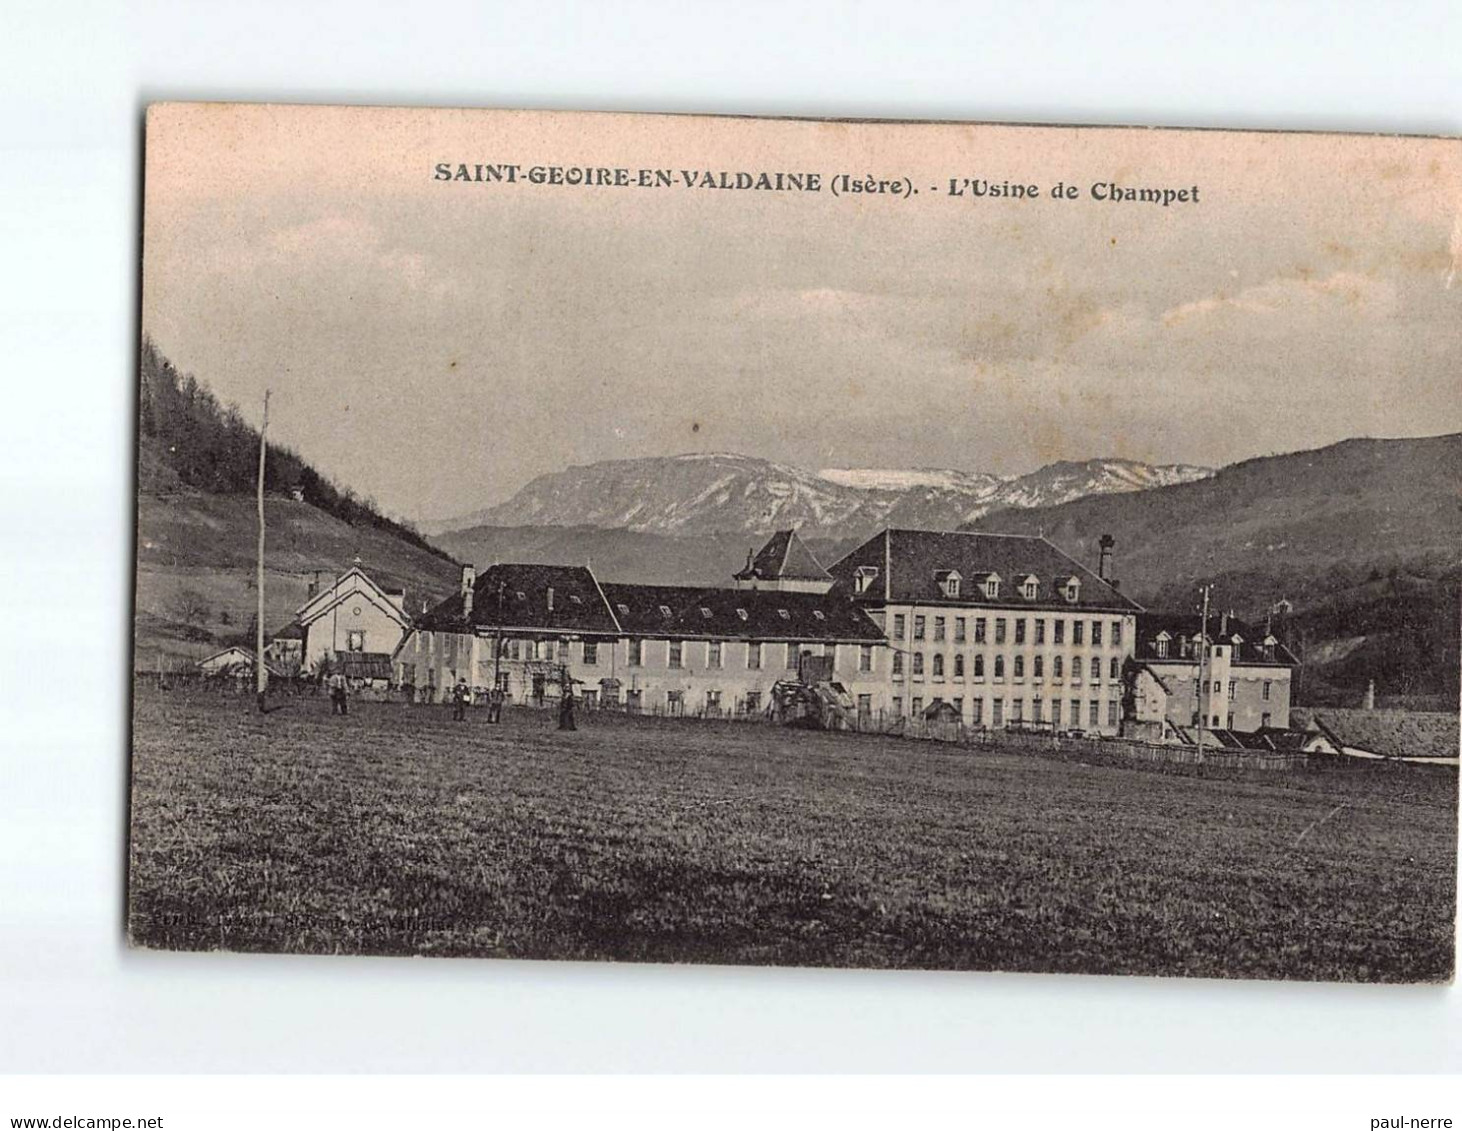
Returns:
<point x="399" y="831"/>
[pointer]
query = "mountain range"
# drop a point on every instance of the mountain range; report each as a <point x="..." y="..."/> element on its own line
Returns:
<point x="723" y="493"/>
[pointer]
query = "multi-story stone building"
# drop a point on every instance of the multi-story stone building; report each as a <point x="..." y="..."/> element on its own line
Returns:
<point x="1244" y="685"/>
<point x="1005" y="629"/>
<point x="663" y="648"/>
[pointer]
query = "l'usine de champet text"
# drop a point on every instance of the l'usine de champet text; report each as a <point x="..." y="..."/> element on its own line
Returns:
<point x="838" y="184"/>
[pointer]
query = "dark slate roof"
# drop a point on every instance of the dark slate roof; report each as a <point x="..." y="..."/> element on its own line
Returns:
<point x="1250" y="651"/>
<point x="292" y="631"/>
<point x="363" y="665"/>
<point x="1272" y="738"/>
<point x="785" y="557"/>
<point x="911" y="564"/>
<point x="688" y="611"/>
<point x="515" y="596"/>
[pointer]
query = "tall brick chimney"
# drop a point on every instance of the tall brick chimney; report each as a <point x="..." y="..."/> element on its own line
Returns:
<point x="1104" y="562"/>
<point x="469" y="580"/>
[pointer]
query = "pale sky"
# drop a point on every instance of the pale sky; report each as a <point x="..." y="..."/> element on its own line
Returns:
<point x="436" y="345"/>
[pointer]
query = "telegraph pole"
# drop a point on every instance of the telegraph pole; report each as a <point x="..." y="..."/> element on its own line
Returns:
<point x="261" y="675"/>
<point x="1202" y="655"/>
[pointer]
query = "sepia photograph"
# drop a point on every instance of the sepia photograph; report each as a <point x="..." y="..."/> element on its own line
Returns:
<point x="793" y="542"/>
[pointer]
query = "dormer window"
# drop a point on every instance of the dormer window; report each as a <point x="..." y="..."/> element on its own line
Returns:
<point x="705" y="612"/>
<point x="948" y="581"/>
<point x="992" y="586"/>
<point x="741" y="613"/>
<point x="521" y="595"/>
<point x="1029" y="588"/>
<point x="863" y="577"/>
<point x="665" y="611"/>
<point x="784" y="614"/>
<point x="818" y="614"/>
<point x="623" y="610"/>
<point x="1072" y="590"/>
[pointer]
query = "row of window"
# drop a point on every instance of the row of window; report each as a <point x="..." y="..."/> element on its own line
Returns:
<point x="1228" y="723"/>
<point x="1020" y="711"/>
<point x="1017" y="626"/>
<point x="1216" y="687"/>
<point x="677" y="654"/>
<point x="951" y="584"/>
<point x="1017" y="666"/>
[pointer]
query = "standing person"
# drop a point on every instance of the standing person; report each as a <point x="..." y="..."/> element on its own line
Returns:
<point x="460" y="696"/>
<point x="566" y="707"/>
<point x="495" y="705"/>
<point x="338" y="704"/>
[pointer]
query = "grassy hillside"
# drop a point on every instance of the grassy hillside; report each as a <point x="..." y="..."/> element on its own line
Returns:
<point x="1363" y="537"/>
<point x="195" y="566"/>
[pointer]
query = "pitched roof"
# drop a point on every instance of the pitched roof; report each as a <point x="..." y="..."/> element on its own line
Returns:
<point x="913" y="559"/>
<point x="1248" y="650"/>
<point x="1392" y="734"/>
<point x="516" y="596"/>
<point x="743" y="614"/>
<point x="785" y="557"/>
<point x="363" y="665"/>
<point x="352" y="582"/>
<point x="292" y="631"/>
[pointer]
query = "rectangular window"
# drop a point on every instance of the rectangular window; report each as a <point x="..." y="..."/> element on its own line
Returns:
<point x="1040" y="630"/>
<point x="753" y="654"/>
<point x="1076" y="630"/>
<point x="1116" y="632"/>
<point x="1020" y="667"/>
<point x="899" y="626"/>
<point x="959" y="630"/>
<point x="1020" y="631"/>
<point x="753" y="702"/>
<point x="865" y="706"/>
<point x="636" y="653"/>
<point x="1096" y="632"/>
<point x="1057" y="665"/>
<point x="938" y="628"/>
<point x="1096" y="669"/>
<point x="1055" y="712"/>
<point x="898" y="663"/>
<point x="1233" y="689"/>
<point x="1114" y="710"/>
<point x="979" y="665"/>
<point x="898" y="706"/>
<point x="1040" y="667"/>
<point x="865" y="658"/>
<point x="1264" y="721"/>
<point x="918" y="663"/>
<point x="713" y="654"/>
<point x="999" y="630"/>
<point x="999" y="667"/>
<point x="1076" y="712"/>
<point x="919" y="628"/>
<point x="979" y="630"/>
<point x="1266" y="691"/>
<point x="1116" y="672"/>
<point x="713" y="702"/>
<point x="917" y="705"/>
<point x="791" y="657"/>
<point x="1017" y="711"/>
<point x="997" y="716"/>
<point x="591" y="652"/>
<point x="1094" y="713"/>
<point x="675" y="702"/>
<point x="676" y="649"/>
<point x="978" y="718"/>
<point x="1058" y="632"/>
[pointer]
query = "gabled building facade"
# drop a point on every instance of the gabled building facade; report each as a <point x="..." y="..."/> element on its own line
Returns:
<point x="353" y="615"/>
<point x="1005" y="628"/>
<point x="1244" y="684"/>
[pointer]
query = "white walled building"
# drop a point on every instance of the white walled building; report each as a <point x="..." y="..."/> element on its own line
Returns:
<point x="1005" y="629"/>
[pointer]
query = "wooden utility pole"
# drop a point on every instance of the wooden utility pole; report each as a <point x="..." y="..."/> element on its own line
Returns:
<point x="261" y="674"/>
<point x="1202" y="655"/>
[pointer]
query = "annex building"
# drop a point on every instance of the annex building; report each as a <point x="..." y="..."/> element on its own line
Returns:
<point x="1243" y="686"/>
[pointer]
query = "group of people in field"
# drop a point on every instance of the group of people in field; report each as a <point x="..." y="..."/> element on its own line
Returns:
<point x="461" y="698"/>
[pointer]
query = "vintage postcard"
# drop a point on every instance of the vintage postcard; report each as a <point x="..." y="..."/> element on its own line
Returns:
<point x="859" y="544"/>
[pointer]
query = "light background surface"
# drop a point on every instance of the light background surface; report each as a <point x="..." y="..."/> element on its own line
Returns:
<point x="73" y="80"/>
